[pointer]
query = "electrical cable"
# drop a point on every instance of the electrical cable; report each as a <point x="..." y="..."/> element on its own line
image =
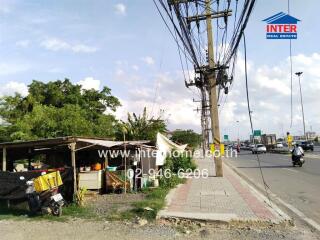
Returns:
<point x="234" y="43"/>
<point x="187" y="45"/>
<point x="165" y="22"/>
<point x="266" y="187"/>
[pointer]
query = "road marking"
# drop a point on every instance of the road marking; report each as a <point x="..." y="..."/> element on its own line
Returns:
<point x="308" y="220"/>
<point x="312" y="156"/>
<point x="299" y="213"/>
<point x="291" y="170"/>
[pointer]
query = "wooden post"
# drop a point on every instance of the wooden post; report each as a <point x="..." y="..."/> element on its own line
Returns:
<point x="125" y="163"/>
<point x="106" y="161"/>
<point x="29" y="159"/>
<point x="4" y="159"/>
<point x="73" y="163"/>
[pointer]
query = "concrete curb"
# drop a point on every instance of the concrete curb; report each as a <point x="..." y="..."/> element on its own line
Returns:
<point x="223" y="217"/>
<point x="168" y="200"/>
<point x="287" y="206"/>
<point x="271" y="206"/>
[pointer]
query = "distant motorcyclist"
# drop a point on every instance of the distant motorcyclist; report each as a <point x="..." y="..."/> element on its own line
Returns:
<point x="238" y="148"/>
<point x="297" y="152"/>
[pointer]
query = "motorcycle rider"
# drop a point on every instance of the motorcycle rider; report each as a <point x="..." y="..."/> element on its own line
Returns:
<point x="297" y="152"/>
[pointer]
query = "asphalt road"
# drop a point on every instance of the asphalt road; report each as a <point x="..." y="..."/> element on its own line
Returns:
<point x="297" y="186"/>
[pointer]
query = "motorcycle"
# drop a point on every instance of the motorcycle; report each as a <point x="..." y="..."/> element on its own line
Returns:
<point x="297" y="160"/>
<point x="48" y="201"/>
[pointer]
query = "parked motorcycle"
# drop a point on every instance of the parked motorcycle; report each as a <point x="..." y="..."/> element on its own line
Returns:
<point x="45" y="198"/>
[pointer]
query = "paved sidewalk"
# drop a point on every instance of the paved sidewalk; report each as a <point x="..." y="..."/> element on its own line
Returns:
<point x="219" y="199"/>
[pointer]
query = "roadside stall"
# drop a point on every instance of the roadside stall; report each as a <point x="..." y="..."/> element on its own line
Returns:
<point x="86" y="159"/>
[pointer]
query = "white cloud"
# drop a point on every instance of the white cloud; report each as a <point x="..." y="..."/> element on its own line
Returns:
<point x="13" y="87"/>
<point x="269" y="88"/>
<point x="12" y="68"/>
<point x="167" y="96"/>
<point x="23" y="43"/>
<point x="90" y="83"/>
<point x="120" y="9"/>
<point x="120" y="72"/>
<point x="55" y="44"/>
<point x="148" y="60"/>
<point x="135" y="67"/>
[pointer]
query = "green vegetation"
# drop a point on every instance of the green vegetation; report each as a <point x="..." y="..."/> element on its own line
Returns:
<point x="182" y="161"/>
<point x="155" y="198"/>
<point x="21" y="212"/>
<point x="186" y="137"/>
<point x="141" y="127"/>
<point x="80" y="196"/>
<point x="60" y="108"/>
<point x="152" y="204"/>
<point x="56" y="109"/>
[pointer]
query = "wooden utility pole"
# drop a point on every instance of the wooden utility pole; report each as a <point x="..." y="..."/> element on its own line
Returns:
<point x="72" y="147"/>
<point x="213" y="92"/>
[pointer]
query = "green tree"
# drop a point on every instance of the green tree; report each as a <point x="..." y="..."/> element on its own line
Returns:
<point x="56" y="109"/>
<point x="141" y="127"/>
<point x="186" y="137"/>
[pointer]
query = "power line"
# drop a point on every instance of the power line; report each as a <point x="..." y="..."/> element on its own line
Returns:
<point x="266" y="187"/>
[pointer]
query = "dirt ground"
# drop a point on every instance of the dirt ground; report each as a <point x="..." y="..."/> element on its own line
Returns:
<point x="25" y="228"/>
<point x="107" y="203"/>
<point x="85" y="229"/>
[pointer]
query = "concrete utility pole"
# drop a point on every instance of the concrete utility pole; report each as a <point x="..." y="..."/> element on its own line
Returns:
<point x="213" y="92"/>
<point x="301" y="101"/>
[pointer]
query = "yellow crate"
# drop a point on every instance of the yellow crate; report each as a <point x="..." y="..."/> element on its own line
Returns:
<point x="47" y="181"/>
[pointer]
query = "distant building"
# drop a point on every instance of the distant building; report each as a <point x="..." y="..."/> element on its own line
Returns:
<point x="311" y="135"/>
<point x="296" y="138"/>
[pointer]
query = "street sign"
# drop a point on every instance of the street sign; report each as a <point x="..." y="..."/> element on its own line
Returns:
<point x="226" y="137"/>
<point x="257" y="133"/>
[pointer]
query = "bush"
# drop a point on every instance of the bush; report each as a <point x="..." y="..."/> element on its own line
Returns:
<point x="171" y="182"/>
<point x="182" y="161"/>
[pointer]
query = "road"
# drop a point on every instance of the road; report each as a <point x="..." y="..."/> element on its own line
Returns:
<point x="299" y="187"/>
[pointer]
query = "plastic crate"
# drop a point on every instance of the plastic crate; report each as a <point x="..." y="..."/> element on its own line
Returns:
<point x="47" y="181"/>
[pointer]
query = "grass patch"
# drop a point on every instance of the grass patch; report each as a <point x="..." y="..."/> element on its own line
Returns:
<point x="155" y="199"/>
<point x="21" y="212"/>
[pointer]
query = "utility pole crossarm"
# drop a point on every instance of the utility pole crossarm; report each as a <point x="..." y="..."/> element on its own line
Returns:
<point x="209" y="75"/>
<point x="212" y="15"/>
<point x="172" y="2"/>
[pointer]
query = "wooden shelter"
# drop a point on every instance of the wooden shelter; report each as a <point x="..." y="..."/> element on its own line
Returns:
<point x="64" y="151"/>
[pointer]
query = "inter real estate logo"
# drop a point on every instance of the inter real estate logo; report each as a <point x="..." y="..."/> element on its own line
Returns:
<point x="281" y="26"/>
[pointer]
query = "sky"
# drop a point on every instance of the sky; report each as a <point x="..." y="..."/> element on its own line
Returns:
<point x="126" y="46"/>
